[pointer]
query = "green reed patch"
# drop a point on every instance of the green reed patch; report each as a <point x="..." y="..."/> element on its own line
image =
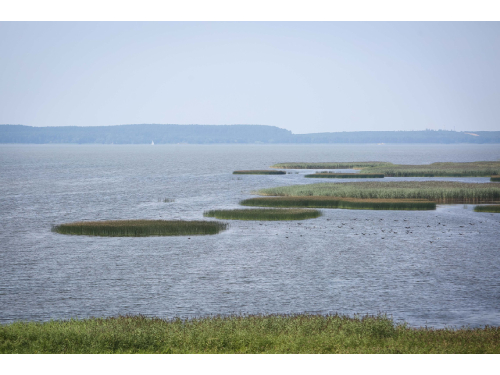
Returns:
<point x="302" y="333"/>
<point x="263" y="214"/>
<point x="332" y="165"/>
<point x="472" y="169"/>
<point x="140" y="228"/>
<point x="436" y="191"/>
<point x="344" y="175"/>
<point x="345" y="203"/>
<point x="257" y="171"/>
<point x="494" y="208"/>
<point x="495" y="178"/>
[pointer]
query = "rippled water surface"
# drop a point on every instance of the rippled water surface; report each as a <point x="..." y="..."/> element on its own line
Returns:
<point x="432" y="268"/>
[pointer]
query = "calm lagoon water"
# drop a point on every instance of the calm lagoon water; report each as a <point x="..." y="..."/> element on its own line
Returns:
<point x="435" y="268"/>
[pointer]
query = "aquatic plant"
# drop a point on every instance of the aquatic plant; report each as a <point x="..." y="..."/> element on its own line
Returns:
<point x="301" y="333"/>
<point x="344" y="175"/>
<point x="330" y="165"/>
<point x="436" y="191"/>
<point x="263" y="214"/>
<point x="256" y="171"/>
<point x="494" y="208"/>
<point x="495" y="178"/>
<point x="140" y="228"/>
<point x="345" y="203"/>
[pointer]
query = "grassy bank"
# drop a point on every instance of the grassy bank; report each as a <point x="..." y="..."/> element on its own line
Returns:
<point x="140" y="228"/>
<point x="332" y="165"/>
<point x="346" y="203"/>
<point x="256" y="171"/>
<point x="494" y="208"/>
<point x="436" y="191"/>
<point x="344" y="175"/>
<point x="473" y="169"/>
<point x="243" y="334"/>
<point x="495" y="178"/>
<point x="263" y="214"/>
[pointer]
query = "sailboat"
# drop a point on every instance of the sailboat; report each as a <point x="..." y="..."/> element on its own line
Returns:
<point x="152" y="143"/>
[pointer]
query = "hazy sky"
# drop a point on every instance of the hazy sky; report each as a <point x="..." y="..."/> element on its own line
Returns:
<point x="302" y="76"/>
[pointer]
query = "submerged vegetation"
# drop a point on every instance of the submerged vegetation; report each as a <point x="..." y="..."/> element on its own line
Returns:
<point x="436" y="191"/>
<point x="257" y="171"/>
<point x="263" y="214"/>
<point x="346" y="203"/>
<point x="495" y="178"/>
<point x="494" y="208"/>
<point x="243" y="334"/>
<point x="472" y="169"/>
<point x="344" y="175"/>
<point x="140" y="228"/>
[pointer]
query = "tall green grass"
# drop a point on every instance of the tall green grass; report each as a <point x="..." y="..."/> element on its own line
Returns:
<point x="494" y="208"/>
<point x="256" y="171"/>
<point x="344" y="175"/>
<point x="243" y="334"/>
<point x="263" y="214"/>
<point x="495" y="178"/>
<point x="140" y="228"/>
<point x="345" y="203"/>
<point x="436" y="191"/>
<point x="330" y="165"/>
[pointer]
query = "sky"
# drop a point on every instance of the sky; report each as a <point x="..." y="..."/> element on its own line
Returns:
<point x="306" y="77"/>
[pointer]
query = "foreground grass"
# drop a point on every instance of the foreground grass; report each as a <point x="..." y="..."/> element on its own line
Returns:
<point x="490" y="208"/>
<point x="263" y="214"/>
<point x="243" y="334"/>
<point x="495" y="178"/>
<point x="140" y="228"/>
<point x="256" y="171"/>
<point x="436" y="191"/>
<point x="344" y="175"/>
<point x="473" y="169"/>
<point x="346" y="203"/>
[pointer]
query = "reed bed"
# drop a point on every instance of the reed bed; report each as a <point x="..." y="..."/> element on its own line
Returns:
<point x="256" y="171"/>
<point x="495" y="178"/>
<point x="493" y="208"/>
<point x="302" y="333"/>
<point x="344" y="175"/>
<point x="344" y="203"/>
<point x="472" y="169"/>
<point x="330" y="165"/>
<point x="264" y="214"/>
<point x="140" y="228"/>
<point x="436" y="191"/>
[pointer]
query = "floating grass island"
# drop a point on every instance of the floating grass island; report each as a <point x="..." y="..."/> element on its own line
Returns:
<point x="257" y="171"/>
<point x="345" y="203"/>
<point x="243" y="334"/>
<point x="493" y="208"/>
<point x="140" y="228"/>
<point x="473" y="169"/>
<point x="344" y="175"/>
<point x="495" y="178"/>
<point x="264" y="214"/>
<point x="435" y="191"/>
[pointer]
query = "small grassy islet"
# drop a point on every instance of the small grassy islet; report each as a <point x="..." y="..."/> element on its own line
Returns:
<point x="256" y="171"/>
<point x="140" y="228"/>
<point x="302" y="333"/>
<point x="495" y="178"/>
<point x="436" y="191"/>
<point x="493" y="208"/>
<point x="264" y="214"/>
<point x="344" y="175"/>
<point x="344" y="203"/>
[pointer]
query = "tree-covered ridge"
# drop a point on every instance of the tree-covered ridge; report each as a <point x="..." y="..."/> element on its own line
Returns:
<point x="203" y="134"/>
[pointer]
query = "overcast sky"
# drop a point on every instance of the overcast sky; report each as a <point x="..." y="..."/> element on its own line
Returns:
<point x="302" y="76"/>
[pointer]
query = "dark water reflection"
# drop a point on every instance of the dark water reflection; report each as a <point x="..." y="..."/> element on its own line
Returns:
<point x="430" y="268"/>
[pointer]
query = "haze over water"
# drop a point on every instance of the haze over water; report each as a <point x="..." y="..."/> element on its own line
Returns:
<point x="432" y="268"/>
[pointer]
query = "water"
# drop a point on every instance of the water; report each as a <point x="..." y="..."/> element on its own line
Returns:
<point x="435" y="268"/>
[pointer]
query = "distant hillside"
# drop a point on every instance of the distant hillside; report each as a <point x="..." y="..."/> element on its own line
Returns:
<point x="203" y="134"/>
